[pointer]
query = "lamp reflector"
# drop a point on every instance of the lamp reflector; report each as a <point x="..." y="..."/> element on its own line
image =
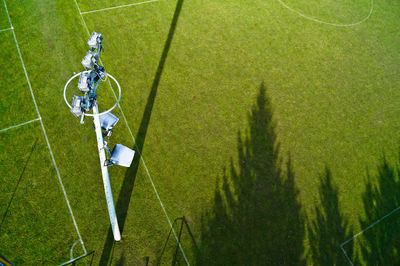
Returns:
<point x="108" y="121"/>
<point x="76" y="105"/>
<point x="95" y="40"/>
<point x="83" y="83"/>
<point x="122" y="155"/>
<point x="89" y="60"/>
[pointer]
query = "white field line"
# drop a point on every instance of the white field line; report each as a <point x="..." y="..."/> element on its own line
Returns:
<point x="347" y="257"/>
<point x="44" y="132"/>
<point x="114" y="7"/>
<point x="27" y="122"/>
<point x="141" y="157"/>
<point x="366" y="229"/>
<point x="329" y="23"/>
<point x="6" y="29"/>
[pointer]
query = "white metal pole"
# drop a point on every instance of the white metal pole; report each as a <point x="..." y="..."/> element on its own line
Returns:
<point x="104" y="172"/>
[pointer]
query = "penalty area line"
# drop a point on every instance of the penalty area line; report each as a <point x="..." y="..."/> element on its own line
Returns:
<point x="44" y="132"/>
<point x="115" y="7"/>
<point x="25" y="123"/>
<point x="6" y="29"/>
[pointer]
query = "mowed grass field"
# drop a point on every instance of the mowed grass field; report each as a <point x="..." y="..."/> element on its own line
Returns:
<point x="277" y="137"/>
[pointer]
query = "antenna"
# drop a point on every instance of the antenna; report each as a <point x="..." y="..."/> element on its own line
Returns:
<point x="103" y="122"/>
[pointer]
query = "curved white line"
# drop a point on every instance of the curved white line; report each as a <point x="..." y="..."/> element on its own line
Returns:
<point x="102" y="113"/>
<point x="329" y="23"/>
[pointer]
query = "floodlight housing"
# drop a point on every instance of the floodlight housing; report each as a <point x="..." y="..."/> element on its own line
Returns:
<point x="83" y="83"/>
<point x="95" y="40"/>
<point x="108" y="121"/>
<point x="89" y="60"/>
<point x="76" y="108"/>
<point x="122" y="155"/>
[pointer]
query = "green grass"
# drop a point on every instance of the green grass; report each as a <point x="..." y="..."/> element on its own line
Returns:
<point x="89" y="6"/>
<point x="15" y="107"/>
<point x="190" y="77"/>
<point x="331" y="11"/>
<point x="4" y="24"/>
<point x="31" y="201"/>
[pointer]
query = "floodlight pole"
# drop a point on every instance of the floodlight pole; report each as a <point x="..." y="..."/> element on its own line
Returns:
<point x="88" y="82"/>
<point x="104" y="172"/>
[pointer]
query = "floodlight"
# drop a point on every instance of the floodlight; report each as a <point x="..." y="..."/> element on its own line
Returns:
<point x="89" y="60"/>
<point x="95" y="40"/>
<point x="107" y="122"/>
<point x="76" y="105"/>
<point x="83" y="83"/>
<point x="122" y="155"/>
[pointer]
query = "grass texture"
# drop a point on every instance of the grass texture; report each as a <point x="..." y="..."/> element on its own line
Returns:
<point x="276" y="137"/>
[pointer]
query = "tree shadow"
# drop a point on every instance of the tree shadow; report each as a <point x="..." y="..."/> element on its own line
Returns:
<point x="124" y="197"/>
<point x="330" y="228"/>
<point x="256" y="218"/>
<point x="380" y="245"/>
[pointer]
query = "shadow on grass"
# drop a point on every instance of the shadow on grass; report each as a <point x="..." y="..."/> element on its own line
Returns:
<point x="256" y="218"/>
<point x="121" y="261"/>
<point x="330" y="228"/>
<point x="183" y="228"/>
<point x="125" y="194"/>
<point x="381" y="244"/>
<point x="19" y="181"/>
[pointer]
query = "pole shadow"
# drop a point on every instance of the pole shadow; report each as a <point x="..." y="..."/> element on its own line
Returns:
<point x="256" y="218"/>
<point x="125" y="194"/>
<point x="330" y="228"/>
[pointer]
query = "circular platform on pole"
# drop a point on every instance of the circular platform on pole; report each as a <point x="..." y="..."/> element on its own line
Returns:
<point x="102" y="113"/>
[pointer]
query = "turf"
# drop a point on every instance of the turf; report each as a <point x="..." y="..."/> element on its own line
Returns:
<point x="13" y="86"/>
<point x="3" y="19"/>
<point x="193" y="74"/>
<point x="32" y="209"/>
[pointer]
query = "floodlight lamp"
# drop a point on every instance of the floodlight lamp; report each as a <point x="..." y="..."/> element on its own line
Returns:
<point x="95" y="40"/>
<point x="122" y="155"/>
<point x="89" y="60"/>
<point x="108" y="122"/>
<point x="76" y="106"/>
<point x="83" y="83"/>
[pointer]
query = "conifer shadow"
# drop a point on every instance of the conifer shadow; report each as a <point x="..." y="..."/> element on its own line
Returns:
<point x="330" y="228"/>
<point x="380" y="244"/>
<point x="256" y="218"/>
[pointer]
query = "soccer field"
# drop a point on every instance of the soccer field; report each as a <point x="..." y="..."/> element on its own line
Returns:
<point x="273" y="127"/>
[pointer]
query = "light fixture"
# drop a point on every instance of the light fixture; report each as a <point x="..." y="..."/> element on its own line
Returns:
<point x="95" y="40"/>
<point x="83" y="83"/>
<point x="122" y="155"/>
<point x="108" y="122"/>
<point x="76" y="105"/>
<point x="89" y="60"/>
